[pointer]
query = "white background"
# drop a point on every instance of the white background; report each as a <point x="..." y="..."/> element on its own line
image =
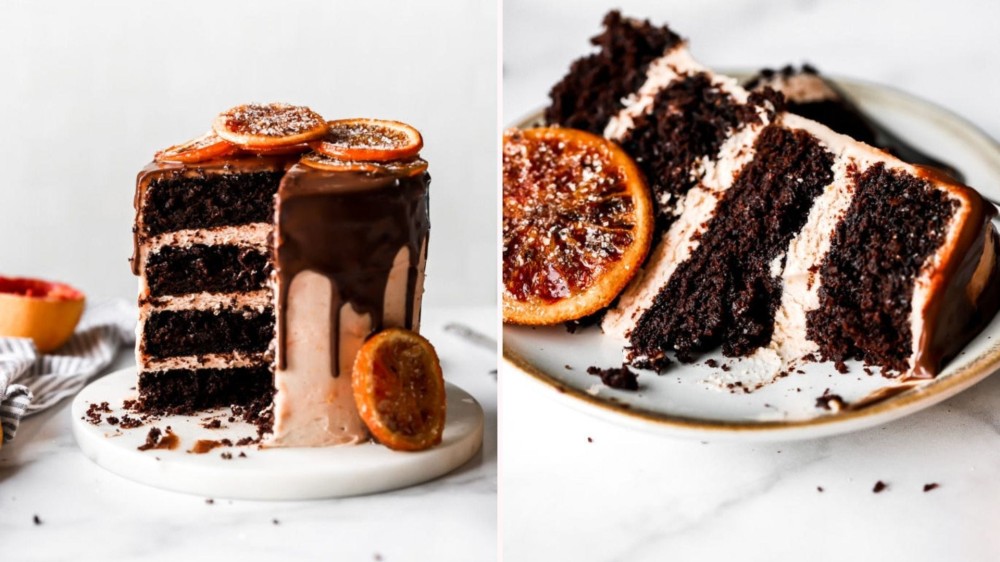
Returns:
<point x="577" y="488"/>
<point x="90" y="90"/>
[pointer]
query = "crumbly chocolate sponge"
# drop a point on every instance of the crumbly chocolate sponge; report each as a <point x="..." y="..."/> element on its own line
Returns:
<point x="725" y="293"/>
<point x="895" y="222"/>
<point x="592" y="91"/>
<point x="178" y="201"/>
<point x="175" y="333"/>
<point x="199" y="268"/>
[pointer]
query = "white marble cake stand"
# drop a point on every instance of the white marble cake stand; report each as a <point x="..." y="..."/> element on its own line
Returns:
<point x="263" y="474"/>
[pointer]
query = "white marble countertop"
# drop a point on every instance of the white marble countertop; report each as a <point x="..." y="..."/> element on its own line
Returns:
<point x="87" y="513"/>
<point x="577" y="488"/>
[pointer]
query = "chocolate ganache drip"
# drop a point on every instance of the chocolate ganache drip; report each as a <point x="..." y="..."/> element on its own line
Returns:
<point x="349" y="227"/>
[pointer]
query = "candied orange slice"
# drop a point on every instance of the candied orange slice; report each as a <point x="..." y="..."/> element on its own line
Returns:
<point x="44" y="311"/>
<point x="373" y="140"/>
<point x="577" y="224"/>
<point x="403" y="168"/>
<point x="205" y="147"/>
<point x="300" y="148"/>
<point x="269" y="125"/>
<point x="399" y="390"/>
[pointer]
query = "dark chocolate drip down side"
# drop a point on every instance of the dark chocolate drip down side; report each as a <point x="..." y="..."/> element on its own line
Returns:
<point x="348" y="227"/>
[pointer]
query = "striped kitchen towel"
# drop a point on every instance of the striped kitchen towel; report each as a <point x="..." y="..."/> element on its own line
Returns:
<point x="31" y="382"/>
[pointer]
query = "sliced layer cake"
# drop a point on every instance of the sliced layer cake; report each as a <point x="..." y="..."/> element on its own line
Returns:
<point x="265" y="263"/>
<point x="778" y="239"/>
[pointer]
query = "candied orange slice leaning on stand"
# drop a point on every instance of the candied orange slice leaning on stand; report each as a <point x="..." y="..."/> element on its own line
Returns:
<point x="399" y="390"/>
<point x="271" y="125"/>
<point x="374" y="140"/>
<point x="577" y="224"/>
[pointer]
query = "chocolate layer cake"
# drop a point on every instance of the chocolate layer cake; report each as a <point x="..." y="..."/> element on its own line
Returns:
<point x="809" y="94"/>
<point x="261" y="276"/>
<point x="779" y="239"/>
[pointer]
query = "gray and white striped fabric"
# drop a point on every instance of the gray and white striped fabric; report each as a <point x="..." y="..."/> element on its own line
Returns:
<point x="31" y="382"/>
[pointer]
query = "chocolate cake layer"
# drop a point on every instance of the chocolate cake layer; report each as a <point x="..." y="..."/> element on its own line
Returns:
<point x="175" y="333"/>
<point x="690" y="119"/>
<point x="809" y="94"/>
<point x="202" y="268"/>
<point x="185" y="391"/>
<point x="727" y="292"/>
<point x="895" y="223"/>
<point x="179" y="201"/>
<point x="592" y="91"/>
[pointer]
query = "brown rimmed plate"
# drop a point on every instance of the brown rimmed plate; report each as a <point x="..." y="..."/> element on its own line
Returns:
<point x="693" y="401"/>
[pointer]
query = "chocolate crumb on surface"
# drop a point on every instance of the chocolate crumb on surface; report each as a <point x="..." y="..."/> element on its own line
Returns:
<point x="819" y="489"/>
<point x="879" y="486"/>
<point x="226" y="456"/>
<point x="209" y="501"/>
<point x="94" y="411"/>
<point x="712" y="363"/>
<point x="275" y="522"/>
<point x="931" y="486"/>
<point x="243" y="455"/>
<point x="37" y="520"/>
<point x="830" y="401"/>
<point x="213" y="424"/>
<point x="112" y="420"/>
<point x="590" y="440"/>
<point x="618" y="378"/>
<point x="128" y="422"/>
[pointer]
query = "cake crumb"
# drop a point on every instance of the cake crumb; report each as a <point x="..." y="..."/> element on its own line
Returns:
<point x="621" y="379"/>
<point x="590" y="440"/>
<point x="226" y="456"/>
<point x="830" y="401"/>
<point x="931" y="486"/>
<point x="37" y="520"/>
<point x="213" y="424"/>
<point x="819" y="489"/>
<point x="275" y="522"/>
<point x="879" y="487"/>
<point x="209" y="501"/>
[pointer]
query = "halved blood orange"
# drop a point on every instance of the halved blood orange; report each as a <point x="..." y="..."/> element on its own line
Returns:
<point x="269" y="125"/>
<point x="399" y="390"/>
<point x="577" y="224"/>
<point x="374" y="140"/>
<point x="45" y="311"/>
<point x="205" y="147"/>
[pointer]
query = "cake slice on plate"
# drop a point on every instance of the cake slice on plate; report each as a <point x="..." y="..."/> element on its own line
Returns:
<point x="777" y="239"/>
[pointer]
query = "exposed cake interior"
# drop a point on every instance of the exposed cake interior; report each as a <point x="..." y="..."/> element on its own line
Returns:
<point x="206" y="320"/>
<point x="780" y="239"/>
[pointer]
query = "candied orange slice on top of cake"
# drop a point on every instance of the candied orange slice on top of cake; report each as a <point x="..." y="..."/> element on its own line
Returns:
<point x="577" y="224"/>
<point x="375" y="140"/>
<point x="399" y="390"/>
<point x="255" y="125"/>
<point x="206" y="147"/>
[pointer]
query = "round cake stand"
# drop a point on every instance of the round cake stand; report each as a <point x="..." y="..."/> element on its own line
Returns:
<point x="247" y="472"/>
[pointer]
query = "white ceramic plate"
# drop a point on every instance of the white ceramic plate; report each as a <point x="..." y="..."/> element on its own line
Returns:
<point x="687" y="401"/>
<point x="263" y="474"/>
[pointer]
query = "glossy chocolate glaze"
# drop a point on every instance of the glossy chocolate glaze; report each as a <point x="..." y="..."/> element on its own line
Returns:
<point x="839" y="112"/>
<point x="157" y="170"/>
<point x="951" y="317"/>
<point x="348" y="227"/>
